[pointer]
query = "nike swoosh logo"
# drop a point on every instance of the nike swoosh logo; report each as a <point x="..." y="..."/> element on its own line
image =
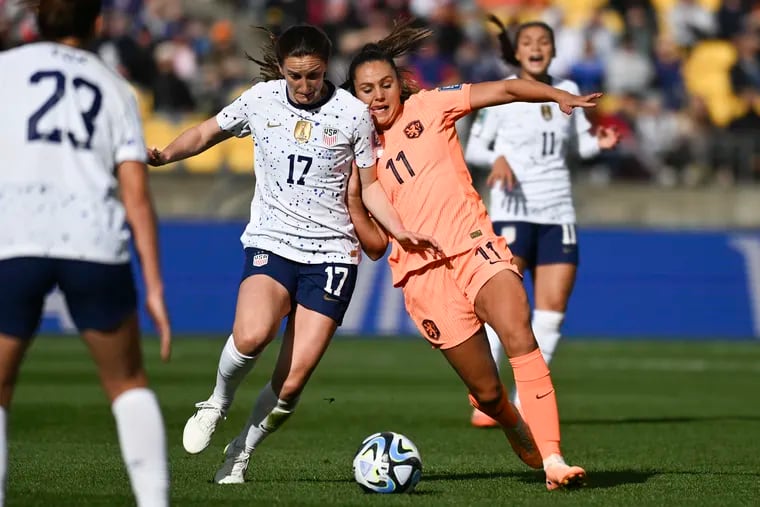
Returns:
<point x="539" y="396"/>
<point x="272" y="125"/>
<point x="328" y="298"/>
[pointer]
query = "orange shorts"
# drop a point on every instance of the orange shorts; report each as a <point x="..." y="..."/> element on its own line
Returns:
<point x="440" y="297"/>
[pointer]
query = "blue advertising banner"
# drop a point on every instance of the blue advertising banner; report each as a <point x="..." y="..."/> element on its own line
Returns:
<point x="631" y="284"/>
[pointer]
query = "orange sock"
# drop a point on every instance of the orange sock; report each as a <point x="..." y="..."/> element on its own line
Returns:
<point x="538" y="401"/>
<point x="501" y="410"/>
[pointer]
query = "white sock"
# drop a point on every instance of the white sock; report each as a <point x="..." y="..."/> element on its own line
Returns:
<point x="497" y="349"/>
<point x="546" y="324"/>
<point x="143" y="445"/>
<point x="269" y="413"/>
<point x="233" y="367"/>
<point x="3" y="453"/>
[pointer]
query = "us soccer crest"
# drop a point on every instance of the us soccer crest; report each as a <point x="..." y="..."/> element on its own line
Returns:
<point x="546" y="112"/>
<point x="414" y="129"/>
<point x="260" y="260"/>
<point x="329" y="136"/>
<point x="302" y="131"/>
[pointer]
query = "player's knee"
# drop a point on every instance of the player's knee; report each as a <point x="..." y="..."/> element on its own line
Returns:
<point x="115" y="387"/>
<point x="250" y="339"/>
<point x="488" y="394"/>
<point x="517" y="337"/>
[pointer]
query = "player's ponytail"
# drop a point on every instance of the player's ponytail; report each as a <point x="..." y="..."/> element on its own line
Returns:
<point x="403" y="38"/>
<point x="269" y="68"/>
<point x="507" y="48"/>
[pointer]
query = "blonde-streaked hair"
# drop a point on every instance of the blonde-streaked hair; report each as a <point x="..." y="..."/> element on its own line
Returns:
<point x="403" y="38"/>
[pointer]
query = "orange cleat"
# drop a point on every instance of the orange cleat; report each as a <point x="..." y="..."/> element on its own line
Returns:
<point x="482" y="420"/>
<point x="560" y="475"/>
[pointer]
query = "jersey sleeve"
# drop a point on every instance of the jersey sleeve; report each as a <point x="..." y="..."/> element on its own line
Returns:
<point x="128" y="140"/>
<point x="364" y="141"/>
<point x="452" y="102"/>
<point x="233" y="118"/>
<point x="480" y="150"/>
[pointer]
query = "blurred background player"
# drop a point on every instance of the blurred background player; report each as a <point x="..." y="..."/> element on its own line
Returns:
<point x="301" y="248"/>
<point x="71" y="140"/>
<point x="422" y="169"/>
<point x="531" y="204"/>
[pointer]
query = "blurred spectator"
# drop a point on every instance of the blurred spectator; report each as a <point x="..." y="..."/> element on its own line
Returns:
<point x="642" y="27"/>
<point x="668" y="66"/>
<point x="744" y="134"/>
<point x="690" y="23"/>
<point x="659" y="134"/>
<point x="731" y="17"/>
<point x="127" y="50"/>
<point x="433" y="67"/>
<point x="477" y="64"/>
<point x="171" y="94"/>
<point x="588" y="72"/>
<point x="628" y="71"/>
<point x="745" y="73"/>
<point x="598" y="33"/>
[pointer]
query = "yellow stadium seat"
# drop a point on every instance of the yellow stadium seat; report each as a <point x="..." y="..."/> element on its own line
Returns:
<point x="239" y="155"/>
<point x="707" y="74"/>
<point x="158" y="133"/>
<point x="144" y="102"/>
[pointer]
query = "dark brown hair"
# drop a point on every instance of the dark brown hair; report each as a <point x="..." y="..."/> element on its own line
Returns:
<point x="57" y="19"/>
<point x="508" y="48"/>
<point x="298" y="40"/>
<point x="403" y="38"/>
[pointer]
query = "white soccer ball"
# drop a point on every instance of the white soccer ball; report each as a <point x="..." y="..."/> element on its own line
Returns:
<point x="387" y="462"/>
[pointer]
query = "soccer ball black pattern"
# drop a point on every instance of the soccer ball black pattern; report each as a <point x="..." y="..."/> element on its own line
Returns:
<point x="387" y="462"/>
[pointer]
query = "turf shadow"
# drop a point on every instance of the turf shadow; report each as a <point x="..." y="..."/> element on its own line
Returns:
<point x="658" y="420"/>
<point x="456" y="476"/>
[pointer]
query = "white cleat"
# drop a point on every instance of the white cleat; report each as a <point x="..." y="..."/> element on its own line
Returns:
<point x="200" y="427"/>
<point x="235" y="464"/>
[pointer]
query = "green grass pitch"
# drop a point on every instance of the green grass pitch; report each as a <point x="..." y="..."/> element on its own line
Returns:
<point x="665" y="423"/>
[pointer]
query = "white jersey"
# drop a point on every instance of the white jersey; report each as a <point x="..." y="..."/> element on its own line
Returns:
<point x="303" y="161"/>
<point x="67" y="122"/>
<point x="534" y="138"/>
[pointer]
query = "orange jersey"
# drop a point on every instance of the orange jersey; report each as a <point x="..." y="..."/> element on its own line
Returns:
<point x="421" y="167"/>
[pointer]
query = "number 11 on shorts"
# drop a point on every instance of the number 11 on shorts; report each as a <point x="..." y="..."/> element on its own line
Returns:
<point x="333" y="272"/>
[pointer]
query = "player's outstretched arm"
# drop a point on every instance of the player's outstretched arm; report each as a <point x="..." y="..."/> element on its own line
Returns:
<point x="377" y="203"/>
<point x="141" y="215"/>
<point x="372" y="236"/>
<point x="191" y="142"/>
<point x="492" y="93"/>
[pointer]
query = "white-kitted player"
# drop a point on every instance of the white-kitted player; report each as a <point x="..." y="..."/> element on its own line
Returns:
<point x="71" y="142"/>
<point x="301" y="248"/>
<point x="525" y="145"/>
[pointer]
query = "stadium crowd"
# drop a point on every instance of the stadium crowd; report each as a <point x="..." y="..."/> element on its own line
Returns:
<point x="681" y="77"/>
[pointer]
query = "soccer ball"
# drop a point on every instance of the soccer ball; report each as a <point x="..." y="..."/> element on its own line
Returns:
<point x="387" y="462"/>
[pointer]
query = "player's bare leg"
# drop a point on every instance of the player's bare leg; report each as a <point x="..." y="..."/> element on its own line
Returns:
<point x="480" y="419"/>
<point x="261" y="305"/>
<point x="12" y="351"/>
<point x="139" y="423"/>
<point x="473" y="363"/>
<point x="306" y="338"/>
<point x="503" y="303"/>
